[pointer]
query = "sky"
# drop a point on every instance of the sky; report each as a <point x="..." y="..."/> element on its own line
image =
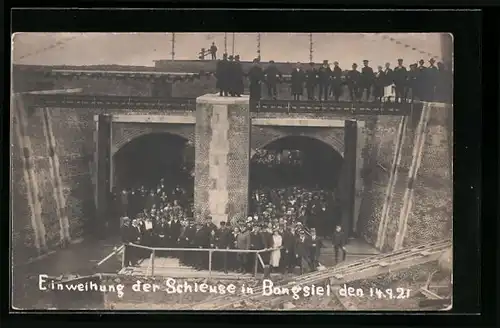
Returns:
<point x="142" y="49"/>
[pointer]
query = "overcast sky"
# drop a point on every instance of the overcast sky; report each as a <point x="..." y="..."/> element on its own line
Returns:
<point x="142" y="49"/>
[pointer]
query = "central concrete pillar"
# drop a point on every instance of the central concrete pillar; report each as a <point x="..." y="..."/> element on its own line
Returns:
<point x="222" y="163"/>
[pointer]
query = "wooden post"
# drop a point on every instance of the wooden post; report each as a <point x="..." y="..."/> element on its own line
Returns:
<point x="153" y="262"/>
<point x="256" y="264"/>
<point x="209" y="263"/>
<point x="123" y="255"/>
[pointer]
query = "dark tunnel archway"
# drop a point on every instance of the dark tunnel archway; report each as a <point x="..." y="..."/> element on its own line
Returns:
<point x="296" y="160"/>
<point x="147" y="159"/>
<point x="294" y="179"/>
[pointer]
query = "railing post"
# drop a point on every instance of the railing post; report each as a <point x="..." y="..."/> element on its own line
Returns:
<point x="152" y="262"/>
<point x="123" y="255"/>
<point x="209" y="263"/>
<point x="256" y="264"/>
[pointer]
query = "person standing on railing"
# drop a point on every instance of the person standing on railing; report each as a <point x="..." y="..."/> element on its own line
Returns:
<point x="339" y="241"/>
<point x="412" y="83"/>
<point x="213" y="51"/>
<point x="367" y="78"/>
<point x="379" y="84"/>
<point x="239" y="87"/>
<point x="400" y="76"/>
<point x="272" y="76"/>
<point x="336" y="88"/>
<point x="297" y="82"/>
<point x="324" y="80"/>
<point x="315" y="249"/>
<point x="353" y="82"/>
<point x="431" y="77"/>
<point x="311" y="81"/>
<point x="255" y="77"/>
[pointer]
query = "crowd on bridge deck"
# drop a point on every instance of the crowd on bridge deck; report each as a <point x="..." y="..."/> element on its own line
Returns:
<point x="283" y="220"/>
<point x="417" y="82"/>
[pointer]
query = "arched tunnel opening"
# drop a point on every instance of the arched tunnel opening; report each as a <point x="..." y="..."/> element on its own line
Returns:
<point x="154" y="171"/>
<point x="295" y="179"/>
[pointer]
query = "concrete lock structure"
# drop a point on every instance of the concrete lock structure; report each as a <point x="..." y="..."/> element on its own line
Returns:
<point x="394" y="176"/>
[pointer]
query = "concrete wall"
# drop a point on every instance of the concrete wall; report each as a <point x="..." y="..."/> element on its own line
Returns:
<point x="429" y="218"/>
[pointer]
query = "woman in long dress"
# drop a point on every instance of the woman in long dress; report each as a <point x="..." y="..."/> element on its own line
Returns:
<point x="276" y="253"/>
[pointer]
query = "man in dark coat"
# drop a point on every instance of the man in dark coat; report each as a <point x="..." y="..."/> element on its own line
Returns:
<point x="353" y="81"/>
<point x="201" y="241"/>
<point x="388" y="76"/>
<point x="421" y="82"/>
<point x="243" y="242"/>
<point x="231" y="72"/>
<point x="272" y="75"/>
<point x="412" y="87"/>
<point x="255" y="77"/>
<point x="432" y="78"/>
<point x="160" y="231"/>
<point x="124" y="202"/>
<point x="379" y="84"/>
<point x="324" y="80"/>
<point x="338" y="241"/>
<point x="239" y="87"/>
<point x="187" y="240"/>
<point x="367" y="78"/>
<point x="315" y="249"/>
<point x="297" y="81"/>
<point x="267" y="239"/>
<point x="444" y="84"/>
<point x="221" y="73"/>
<point x="302" y="252"/>
<point x="311" y="81"/>
<point x="127" y="237"/>
<point x="400" y="81"/>
<point x="223" y="241"/>
<point x="336" y="81"/>
<point x="213" y="51"/>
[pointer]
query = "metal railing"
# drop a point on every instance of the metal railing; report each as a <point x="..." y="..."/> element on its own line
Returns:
<point x="189" y="104"/>
<point x="258" y="258"/>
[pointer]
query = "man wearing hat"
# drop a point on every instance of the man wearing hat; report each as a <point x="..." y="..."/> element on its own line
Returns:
<point x="272" y="76"/>
<point x="315" y="249"/>
<point x="339" y="241"/>
<point x="255" y="77"/>
<point x="243" y="242"/>
<point x="412" y="87"/>
<point x="302" y="252"/>
<point x="367" y="79"/>
<point x="221" y="73"/>
<point x="238" y="77"/>
<point x="230" y="76"/>
<point x="336" y="89"/>
<point x="431" y="77"/>
<point x="311" y="81"/>
<point x="297" y="80"/>
<point x="223" y="241"/>
<point x="288" y="251"/>
<point x="201" y="240"/>
<point x="353" y="82"/>
<point x="324" y="78"/>
<point x="400" y="76"/>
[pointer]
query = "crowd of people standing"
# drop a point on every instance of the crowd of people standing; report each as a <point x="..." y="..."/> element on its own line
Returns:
<point x="419" y="82"/>
<point x="292" y="223"/>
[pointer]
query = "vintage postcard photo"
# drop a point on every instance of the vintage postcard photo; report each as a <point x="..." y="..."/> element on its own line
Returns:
<point x="232" y="171"/>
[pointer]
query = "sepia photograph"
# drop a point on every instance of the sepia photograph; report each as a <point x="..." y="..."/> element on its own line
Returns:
<point x="232" y="171"/>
